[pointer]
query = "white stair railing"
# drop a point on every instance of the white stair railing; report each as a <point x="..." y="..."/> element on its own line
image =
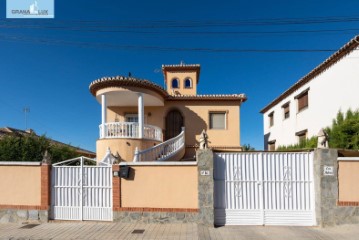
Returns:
<point x="108" y="159"/>
<point x="162" y="151"/>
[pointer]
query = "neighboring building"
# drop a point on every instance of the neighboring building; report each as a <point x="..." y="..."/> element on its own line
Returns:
<point x="8" y="131"/>
<point x="314" y="101"/>
<point x="140" y="114"/>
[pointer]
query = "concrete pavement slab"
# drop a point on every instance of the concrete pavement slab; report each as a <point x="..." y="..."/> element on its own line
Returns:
<point x="110" y="230"/>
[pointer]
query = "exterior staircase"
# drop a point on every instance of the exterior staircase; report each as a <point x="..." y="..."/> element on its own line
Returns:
<point x="170" y="150"/>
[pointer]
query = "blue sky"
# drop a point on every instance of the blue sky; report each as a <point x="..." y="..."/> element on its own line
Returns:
<point x="48" y="64"/>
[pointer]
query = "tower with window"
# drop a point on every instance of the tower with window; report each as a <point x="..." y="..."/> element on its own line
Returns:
<point x="181" y="79"/>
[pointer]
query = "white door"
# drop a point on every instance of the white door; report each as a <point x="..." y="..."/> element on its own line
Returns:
<point x="81" y="192"/>
<point x="264" y="188"/>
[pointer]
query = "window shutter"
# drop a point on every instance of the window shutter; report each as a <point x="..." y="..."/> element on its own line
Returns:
<point x="303" y="101"/>
<point x="217" y="120"/>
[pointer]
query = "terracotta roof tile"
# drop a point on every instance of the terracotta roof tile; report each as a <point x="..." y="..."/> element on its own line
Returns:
<point x="241" y="97"/>
<point x="120" y="81"/>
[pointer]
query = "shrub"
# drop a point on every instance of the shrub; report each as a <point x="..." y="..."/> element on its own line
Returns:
<point x="344" y="132"/>
<point x="31" y="148"/>
<point x="305" y="144"/>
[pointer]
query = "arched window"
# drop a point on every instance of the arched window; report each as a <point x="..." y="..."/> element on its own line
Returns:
<point x="188" y="83"/>
<point x="175" y="83"/>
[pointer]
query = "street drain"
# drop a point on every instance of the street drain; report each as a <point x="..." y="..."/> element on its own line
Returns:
<point x="138" y="231"/>
<point x="30" y="225"/>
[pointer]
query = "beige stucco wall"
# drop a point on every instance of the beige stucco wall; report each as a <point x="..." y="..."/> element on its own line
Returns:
<point x="161" y="187"/>
<point x="124" y="147"/>
<point x="196" y="118"/>
<point x="153" y="115"/>
<point x="348" y="181"/>
<point x="20" y="185"/>
<point x="181" y="76"/>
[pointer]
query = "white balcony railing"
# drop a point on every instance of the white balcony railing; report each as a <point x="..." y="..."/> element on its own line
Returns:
<point x="162" y="151"/>
<point x="130" y="130"/>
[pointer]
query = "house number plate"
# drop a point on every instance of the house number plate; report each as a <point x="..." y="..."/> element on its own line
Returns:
<point x="328" y="170"/>
<point x="204" y="172"/>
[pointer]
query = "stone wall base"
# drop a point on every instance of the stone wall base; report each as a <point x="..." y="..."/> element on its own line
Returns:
<point x="23" y="215"/>
<point x="155" y="217"/>
<point x="341" y="215"/>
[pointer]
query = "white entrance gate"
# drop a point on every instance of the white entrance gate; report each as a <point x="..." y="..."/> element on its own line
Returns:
<point x="80" y="191"/>
<point x="264" y="188"/>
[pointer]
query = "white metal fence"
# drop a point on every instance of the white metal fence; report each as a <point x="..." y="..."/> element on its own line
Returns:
<point x="264" y="188"/>
<point x="81" y="192"/>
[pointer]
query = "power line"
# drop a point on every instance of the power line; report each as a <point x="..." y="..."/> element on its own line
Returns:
<point x="78" y="29"/>
<point x="155" y="48"/>
<point x="198" y="23"/>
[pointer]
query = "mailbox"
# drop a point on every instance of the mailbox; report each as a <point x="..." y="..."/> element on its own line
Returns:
<point x="124" y="172"/>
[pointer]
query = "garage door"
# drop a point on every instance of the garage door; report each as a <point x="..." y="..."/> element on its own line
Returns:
<point x="264" y="188"/>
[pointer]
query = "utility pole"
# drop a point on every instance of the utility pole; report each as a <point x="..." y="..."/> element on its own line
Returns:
<point x="26" y="110"/>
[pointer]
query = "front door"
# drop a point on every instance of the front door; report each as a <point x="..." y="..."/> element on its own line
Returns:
<point x="174" y="124"/>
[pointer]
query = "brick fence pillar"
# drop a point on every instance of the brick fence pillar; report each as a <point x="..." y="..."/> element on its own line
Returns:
<point x="116" y="189"/>
<point x="45" y="186"/>
<point x="45" y="192"/>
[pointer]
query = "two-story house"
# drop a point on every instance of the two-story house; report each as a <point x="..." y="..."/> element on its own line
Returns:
<point x="142" y="121"/>
<point x="314" y="100"/>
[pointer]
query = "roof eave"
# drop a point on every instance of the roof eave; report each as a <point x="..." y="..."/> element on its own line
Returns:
<point x="343" y="51"/>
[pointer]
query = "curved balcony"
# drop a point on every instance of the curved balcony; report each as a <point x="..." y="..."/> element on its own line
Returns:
<point x="129" y="130"/>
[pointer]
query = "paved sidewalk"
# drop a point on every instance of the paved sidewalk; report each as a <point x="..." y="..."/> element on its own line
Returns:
<point x="102" y="230"/>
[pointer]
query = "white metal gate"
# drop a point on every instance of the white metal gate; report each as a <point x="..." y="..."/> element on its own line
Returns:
<point x="264" y="188"/>
<point x="81" y="192"/>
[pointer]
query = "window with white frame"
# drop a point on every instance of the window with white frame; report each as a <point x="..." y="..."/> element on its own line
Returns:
<point x="187" y="83"/>
<point x="131" y="117"/>
<point x="217" y="120"/>
<point x="175" y="83"/>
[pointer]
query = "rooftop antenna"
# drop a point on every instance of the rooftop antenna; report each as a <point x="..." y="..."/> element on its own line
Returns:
<point x="26" y="110"/>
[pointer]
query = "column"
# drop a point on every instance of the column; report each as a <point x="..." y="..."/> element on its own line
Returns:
<point x="103" y="115"/>
<point x="140" y="115"/>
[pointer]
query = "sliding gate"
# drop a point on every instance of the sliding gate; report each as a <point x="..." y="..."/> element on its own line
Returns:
<point x="264" y="188"/>
<point x="81" y="190"/>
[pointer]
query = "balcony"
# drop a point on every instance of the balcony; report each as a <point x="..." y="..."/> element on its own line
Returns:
<point x="129" y="130"/>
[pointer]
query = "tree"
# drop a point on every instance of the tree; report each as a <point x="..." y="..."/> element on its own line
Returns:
<point x="247" y="147"/>
<point x="62" y="152"/>
<point x="31" y="148"/>
<point x="344" y="132"/>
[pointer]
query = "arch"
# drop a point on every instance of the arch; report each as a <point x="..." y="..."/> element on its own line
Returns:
<point x="175" y="83"/>
<point x="188" y="83"/>
<point x="174" y="123"/>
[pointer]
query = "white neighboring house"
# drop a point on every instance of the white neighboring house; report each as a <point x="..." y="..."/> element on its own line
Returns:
<point x="314" y="101"/>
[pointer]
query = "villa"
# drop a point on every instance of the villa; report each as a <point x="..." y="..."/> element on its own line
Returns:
<point x="141" y="121"/>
